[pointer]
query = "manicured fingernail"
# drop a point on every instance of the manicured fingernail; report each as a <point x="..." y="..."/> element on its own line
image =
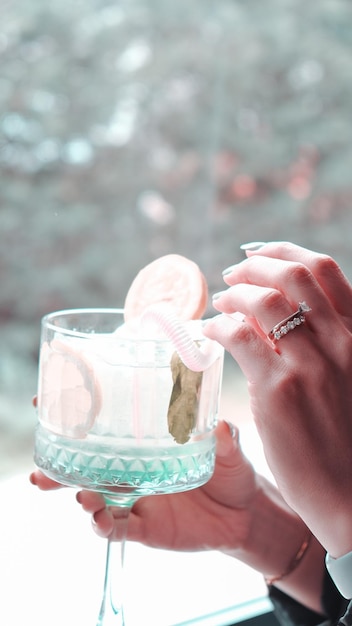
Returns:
<point x="78" y="497"/>
<point x="217" y="295"/>
<point x="228" y="270"/>
<point x="252" y="246"/>
<point x="235" y="434"/>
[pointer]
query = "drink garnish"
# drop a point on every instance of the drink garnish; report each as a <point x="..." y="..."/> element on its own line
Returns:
<point x="70" y="396"/>
<point x="169" y="291"/>
<point x="171" y="279"/>
<point x="183" y="407"/>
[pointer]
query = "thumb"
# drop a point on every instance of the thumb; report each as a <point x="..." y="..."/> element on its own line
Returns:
<point x="227" y="440"/>
<point x="234" y="479"/>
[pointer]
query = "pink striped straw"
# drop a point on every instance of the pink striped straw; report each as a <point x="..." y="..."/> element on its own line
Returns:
<point x="195" y="358"/>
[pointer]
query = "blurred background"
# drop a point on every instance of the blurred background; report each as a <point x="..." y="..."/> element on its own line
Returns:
<point x="130" y="129"/>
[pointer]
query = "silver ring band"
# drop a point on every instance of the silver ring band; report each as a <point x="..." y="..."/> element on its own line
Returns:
<point x="289" y="323"/>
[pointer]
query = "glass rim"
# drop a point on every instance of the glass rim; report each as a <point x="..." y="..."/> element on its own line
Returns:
<point x="46" y="322"/>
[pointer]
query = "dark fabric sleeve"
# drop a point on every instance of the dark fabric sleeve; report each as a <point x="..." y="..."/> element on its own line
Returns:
<point x="346" y="620"/>
<point x="290" y="613"/>
<point x="333" y="602"/>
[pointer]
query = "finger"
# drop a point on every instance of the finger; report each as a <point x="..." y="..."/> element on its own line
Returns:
<point x="91" y="501"/>
<point x="103" y="523"/>
<point x="268" y="306"/>
<point x="234" y="477"/>
<point x="44" y="483"/>
<point x="294" y="280"/>
<point x="227" y="435"/>
<point x="325" y="270"/>
<point x="104" y="519"/>
<point x="254" y="356"/>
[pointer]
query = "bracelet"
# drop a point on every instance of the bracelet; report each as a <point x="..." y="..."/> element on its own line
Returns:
<point x="271" y="580"/>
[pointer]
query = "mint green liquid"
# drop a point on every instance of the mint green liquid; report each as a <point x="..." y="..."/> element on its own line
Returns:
<point x="115" y="467"/>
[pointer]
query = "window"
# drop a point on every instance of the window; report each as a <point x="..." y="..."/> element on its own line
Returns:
<point x="130" y="130"/>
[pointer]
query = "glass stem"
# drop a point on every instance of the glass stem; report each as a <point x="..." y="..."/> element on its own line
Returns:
<point x="111" y="610"/>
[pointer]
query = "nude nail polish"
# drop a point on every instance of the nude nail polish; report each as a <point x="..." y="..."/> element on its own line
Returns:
<point x="252" y="246"/>
<point x="228" y="270"/>
<point x="234" y="432"/>
<point x="217" y="295"/>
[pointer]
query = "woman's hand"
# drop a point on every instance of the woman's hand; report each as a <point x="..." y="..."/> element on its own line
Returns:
<point x="236" y="512"/>
<point x="301" y="386"/>
<point x="214" y="516"/>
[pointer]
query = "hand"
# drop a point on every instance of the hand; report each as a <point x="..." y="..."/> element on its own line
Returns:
<point x="300" y="388"/>
<point x="214" y="516"/>
<point x="237" y="512"/>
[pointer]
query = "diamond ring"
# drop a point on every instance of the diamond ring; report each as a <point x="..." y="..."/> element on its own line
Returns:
<point x="289" y="323"/>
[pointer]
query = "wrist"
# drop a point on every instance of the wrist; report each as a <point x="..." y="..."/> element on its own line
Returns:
<point x="274" y="533"/>
<point x="294" y="563"/>
<point x="274" y="537"/>
<point x="336" y="535"/>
